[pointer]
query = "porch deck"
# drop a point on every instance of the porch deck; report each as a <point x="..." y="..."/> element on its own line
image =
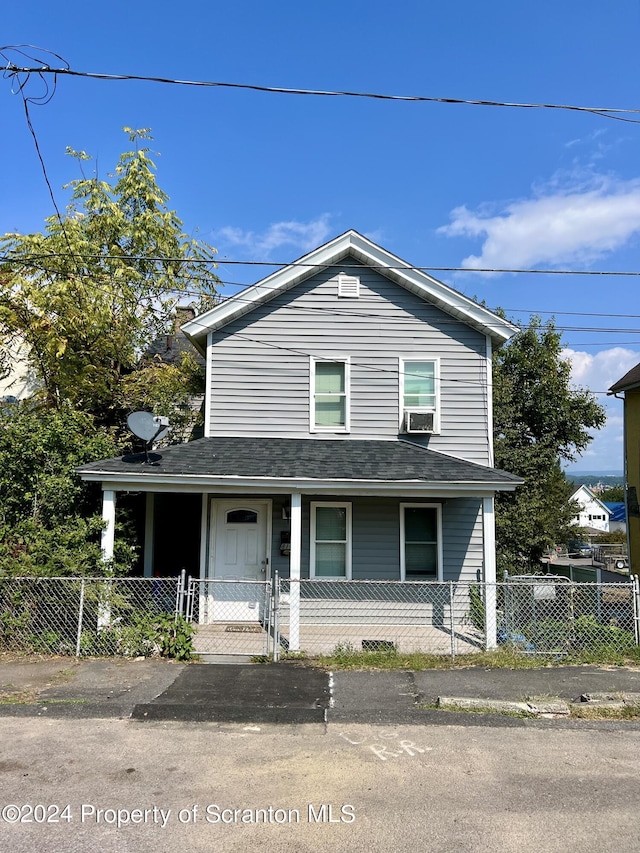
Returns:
<point x="252" y="640"/>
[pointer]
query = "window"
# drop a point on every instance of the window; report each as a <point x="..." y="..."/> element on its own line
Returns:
<point x="242" y="516"/>
<point x="330" y="540"/>
<point x="420" y="542"/>
<point x="419" y="384"/>
<point x="329" y="396"/>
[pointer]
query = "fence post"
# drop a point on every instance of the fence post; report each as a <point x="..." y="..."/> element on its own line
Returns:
<point x="451" y="621"/>
<point x="276" y="617"/>
<point x="490" y="616"/>
<point x="80" y="615"/>
<point x="636" y="608"/>
<point x="180" y="595"/>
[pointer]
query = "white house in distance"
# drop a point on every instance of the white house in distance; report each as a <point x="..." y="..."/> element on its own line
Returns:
<point x="594" y="515"/>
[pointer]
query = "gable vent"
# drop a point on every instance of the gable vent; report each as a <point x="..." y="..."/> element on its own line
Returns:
<point x="348" y="286"/>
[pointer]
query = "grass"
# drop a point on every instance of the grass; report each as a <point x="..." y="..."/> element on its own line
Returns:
<point x="348" y="657"/>
<point x="522" y="715"/>
<point x="19" y="697"/>
<point x="584" y="711"/>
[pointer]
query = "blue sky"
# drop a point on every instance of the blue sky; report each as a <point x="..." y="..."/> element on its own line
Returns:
<point x="268" y="177"/>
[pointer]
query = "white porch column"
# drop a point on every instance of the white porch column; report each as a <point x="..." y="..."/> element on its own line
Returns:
<point x="108" y="516"/>
<point x="489" y="545"/>
<point x="106" y="544"/>
<point x="294" y="571"/>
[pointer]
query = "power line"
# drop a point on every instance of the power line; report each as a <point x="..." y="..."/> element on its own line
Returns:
<point x="11" y="69"/>
<point x="372" y="314"/>
<point x="380" y="267"/>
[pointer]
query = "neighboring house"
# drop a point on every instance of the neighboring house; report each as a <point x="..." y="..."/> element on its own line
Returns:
<point x="169" y="349"/>
<point x="348" y="431"/>
<point x="618" y="517"/>
<point x="19" y="382"/>
<point x="594" y="514"/>
<point x="629" y="388"/>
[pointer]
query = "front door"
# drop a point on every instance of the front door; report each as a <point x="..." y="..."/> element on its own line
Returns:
<point x="238" y="564"/>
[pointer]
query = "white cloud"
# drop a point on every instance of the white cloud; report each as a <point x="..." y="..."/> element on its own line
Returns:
<point x="573" y="218"/>
<point x="597" y="372"/>
<point x="302" y="236"/>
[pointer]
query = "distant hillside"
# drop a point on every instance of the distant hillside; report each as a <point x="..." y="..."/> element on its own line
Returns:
<point x="586" y="478"/>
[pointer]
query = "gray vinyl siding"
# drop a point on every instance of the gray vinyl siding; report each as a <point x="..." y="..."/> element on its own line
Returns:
<point x="260" y="364"/>
<point x="376" y="535"/>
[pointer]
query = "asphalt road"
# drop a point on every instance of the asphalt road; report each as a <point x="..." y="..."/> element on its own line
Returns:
<point x="392" y="788"/>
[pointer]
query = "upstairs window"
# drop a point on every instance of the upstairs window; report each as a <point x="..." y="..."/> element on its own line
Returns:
<point x="329" y="397"/>
<point x="419" y="382"/>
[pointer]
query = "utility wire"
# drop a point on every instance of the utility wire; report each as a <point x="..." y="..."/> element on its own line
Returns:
<point x="23" y="260"/>
<point x="238" y="298"/>
<point x="12" y="69"/>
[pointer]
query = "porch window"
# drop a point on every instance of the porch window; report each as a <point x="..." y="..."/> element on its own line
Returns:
<point x="329" y="396"/>
<point x="419" y="390"/>
<point x="420" y="542"/>
<point x="330" y="540"/>
<point x="242" y="516"/>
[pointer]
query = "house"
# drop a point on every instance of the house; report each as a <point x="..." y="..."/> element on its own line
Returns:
<point x="618" y="517"/>
<point x="629" y="387"/>
<point x="594" y="514"/>
<point x="169" y="349"/>
<point x="348" y="432"/>
<point x="16" y="378"/>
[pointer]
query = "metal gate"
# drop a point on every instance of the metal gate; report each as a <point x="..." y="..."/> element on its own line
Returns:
<point x="231" y="617"/>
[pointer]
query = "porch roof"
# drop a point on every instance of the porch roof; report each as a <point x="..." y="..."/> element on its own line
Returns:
<point x="299" y="463"/>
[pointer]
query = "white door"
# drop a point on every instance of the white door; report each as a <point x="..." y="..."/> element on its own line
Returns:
<point x="238" y="559"/>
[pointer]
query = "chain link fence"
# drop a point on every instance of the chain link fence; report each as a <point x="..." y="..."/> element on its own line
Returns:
<point x="83" y="616"/>
<point x="233" y="617"/>
<point x="554" y="616"/>
<point x="317" y="616"/>
<point x="546" y="616"/>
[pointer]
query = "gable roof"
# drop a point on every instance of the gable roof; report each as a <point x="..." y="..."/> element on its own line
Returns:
<point x="325" y="464"/>
<point x="629" y="380"/>
<point x="355" y="245"/>
<point x="589" y="496"/>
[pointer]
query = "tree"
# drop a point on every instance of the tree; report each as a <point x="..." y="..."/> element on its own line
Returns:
<point x="614" y="494"/>
<point x="85" y="298"/>
<point x="49" y="521"/>
<point x="540" y="421"/>
<point x="89" y="293"/>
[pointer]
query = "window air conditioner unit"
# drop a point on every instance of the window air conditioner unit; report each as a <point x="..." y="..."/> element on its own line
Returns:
<point x="418" y="422"/>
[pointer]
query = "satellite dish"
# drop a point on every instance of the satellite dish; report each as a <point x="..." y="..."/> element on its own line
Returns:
<point x="143" y="424"/>
<point x="148" y="427"/>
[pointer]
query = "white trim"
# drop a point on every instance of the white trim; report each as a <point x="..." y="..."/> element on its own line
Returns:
<point x="361" y="249"/>
<point x="199" y="483"/>
<point x="489" y="369"/>
<point x="346" y="360"/>
<point x="435" y="360"/>
<point x="217" y="503"/>
<point x="208" y="396"/>
<point x="312" y="537"/>
<point x="204" y="539"/>
<point x="295" y="562"/>
<point x="439" y="551"/>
